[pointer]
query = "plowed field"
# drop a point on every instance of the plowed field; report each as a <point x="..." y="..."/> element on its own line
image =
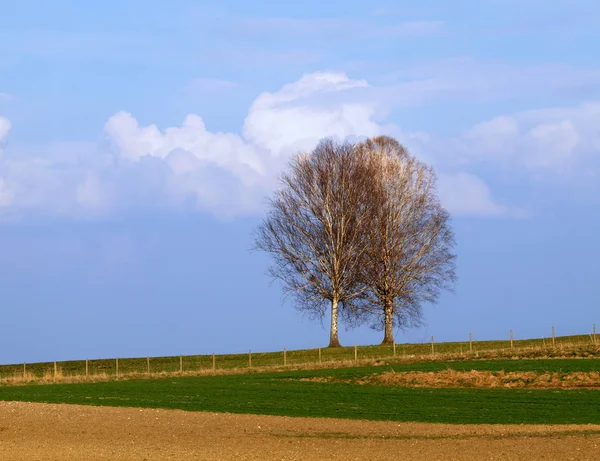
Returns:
<point x="35" y="431"/>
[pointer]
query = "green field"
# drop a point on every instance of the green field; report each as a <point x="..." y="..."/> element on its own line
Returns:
<point x="284" y="393"/>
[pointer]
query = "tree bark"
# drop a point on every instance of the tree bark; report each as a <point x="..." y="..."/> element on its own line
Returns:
<point x="388" y="337"/>
<point x="334" y="340"/>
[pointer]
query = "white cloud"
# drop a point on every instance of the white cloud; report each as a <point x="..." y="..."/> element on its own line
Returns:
<point x="228" y="174"/>
<point x="278" y="124"/>
<point x="553" y="143"/>
<point x="551" y="140"/>
<point x="189" y="166"/>
<point x="465" y="194"/>
<point x="227" y="151"/>
<point x="213" y="169"/>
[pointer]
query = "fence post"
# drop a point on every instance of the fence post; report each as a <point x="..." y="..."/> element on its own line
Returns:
<point x="214" y="362"/>
<point x="87" y="369"/>
<point x="511" y="339"/>
<point x="181" y="364"/>
<point x="24" y="370"/>
<point x="117" y="368"/>
<point x="148" y="365"/>
<point x="355" y="353"/>
<point x="394" y="348"/>
<point x="54" y="371"/>
<point x="320" y="354"/>
<point x="284" y="357"/>
<point x="432" y="349"/>
<point x="470" y="342"/>
<point x="250" y="359"/>
<point x="553" y="338"/>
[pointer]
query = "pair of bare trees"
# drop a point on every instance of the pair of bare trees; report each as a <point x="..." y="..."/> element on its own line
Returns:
<point x="359" y="227"/>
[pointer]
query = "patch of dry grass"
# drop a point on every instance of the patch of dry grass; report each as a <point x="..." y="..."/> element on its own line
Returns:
<point x="480" y="379"/>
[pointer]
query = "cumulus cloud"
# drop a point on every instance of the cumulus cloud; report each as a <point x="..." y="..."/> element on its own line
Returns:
<point x="278" y="124"/>
<point x="188" y="167"/>
<point x="225" y="150"/>
<point x="466" y="194"/>
<point x="551" y="140"/>
<point x="229" y="173"/>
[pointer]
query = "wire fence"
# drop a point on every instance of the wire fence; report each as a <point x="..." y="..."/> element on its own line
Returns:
<point x="116" y="368"/>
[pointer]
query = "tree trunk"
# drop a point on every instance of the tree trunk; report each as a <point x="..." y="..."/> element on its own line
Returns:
<point x="334" y="340"/>
<point x="388" y="337"/>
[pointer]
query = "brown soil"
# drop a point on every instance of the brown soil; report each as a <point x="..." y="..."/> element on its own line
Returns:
<point x="32" y="431"/>
<point x="481" y="379"/>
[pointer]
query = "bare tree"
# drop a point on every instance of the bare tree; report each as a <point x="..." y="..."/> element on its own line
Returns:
<point x="410" y="257"/>
<point x="316" y="229"/>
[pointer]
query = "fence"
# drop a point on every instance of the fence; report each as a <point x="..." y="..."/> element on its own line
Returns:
<point x="120" y="367"/>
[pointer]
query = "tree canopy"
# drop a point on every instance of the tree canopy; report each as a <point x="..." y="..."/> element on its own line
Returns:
<point x="358" y="228"/>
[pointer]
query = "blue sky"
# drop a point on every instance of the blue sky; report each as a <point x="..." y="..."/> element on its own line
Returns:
<point x="139" y="139"/>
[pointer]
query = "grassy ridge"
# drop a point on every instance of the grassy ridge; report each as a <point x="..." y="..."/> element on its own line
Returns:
<point x="275" y="359"/>
<point x="285" y="394"/>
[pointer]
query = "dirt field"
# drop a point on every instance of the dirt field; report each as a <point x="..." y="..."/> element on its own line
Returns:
<point x="31" y="431"/>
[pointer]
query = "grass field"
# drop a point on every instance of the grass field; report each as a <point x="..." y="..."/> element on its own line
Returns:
<point x="284" y="393"/>
<point x="563" y="346"/>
